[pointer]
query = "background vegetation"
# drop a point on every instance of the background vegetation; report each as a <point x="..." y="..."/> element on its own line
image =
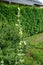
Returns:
<point x="32" y="19"/>
<point x="32" y="23"/>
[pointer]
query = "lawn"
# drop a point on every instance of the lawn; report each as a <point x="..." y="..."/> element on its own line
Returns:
<point x="34" y="49"/>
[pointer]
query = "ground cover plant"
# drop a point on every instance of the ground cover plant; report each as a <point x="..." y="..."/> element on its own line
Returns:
<point x="31" y="23"/>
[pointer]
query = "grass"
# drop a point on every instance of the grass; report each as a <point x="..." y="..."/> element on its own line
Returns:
<point x="35" y="40"/>
<point x="35" y="49"/>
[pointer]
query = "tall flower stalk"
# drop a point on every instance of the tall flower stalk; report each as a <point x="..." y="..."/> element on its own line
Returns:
<point x="20" y="55"/>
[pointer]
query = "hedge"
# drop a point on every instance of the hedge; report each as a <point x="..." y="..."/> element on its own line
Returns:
<point x="32" y="19"/>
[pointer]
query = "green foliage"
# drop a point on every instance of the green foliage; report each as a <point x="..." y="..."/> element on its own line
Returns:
<point x="9" y="37"/>
<point x="31" y="22"/>
<point x="31" y="19"/>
